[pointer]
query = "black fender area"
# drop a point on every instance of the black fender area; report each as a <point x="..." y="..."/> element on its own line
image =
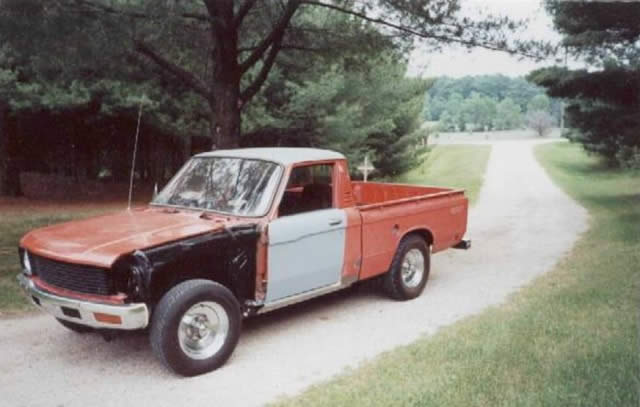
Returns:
<point x="227" y="256"/>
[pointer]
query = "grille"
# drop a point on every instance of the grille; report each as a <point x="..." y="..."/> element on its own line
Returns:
<point x="75" y="277"/>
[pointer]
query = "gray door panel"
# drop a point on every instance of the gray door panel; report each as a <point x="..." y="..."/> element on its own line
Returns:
<point x="306" y="251"/>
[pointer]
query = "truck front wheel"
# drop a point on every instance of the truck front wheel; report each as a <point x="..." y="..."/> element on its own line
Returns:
<point x="409" y="269"/>
<point x="195" y="327"/>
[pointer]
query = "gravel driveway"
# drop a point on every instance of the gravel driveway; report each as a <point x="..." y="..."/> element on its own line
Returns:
<point x="521" y="225"/>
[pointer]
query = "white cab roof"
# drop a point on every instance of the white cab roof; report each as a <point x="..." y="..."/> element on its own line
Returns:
<point x="281" y="155"/>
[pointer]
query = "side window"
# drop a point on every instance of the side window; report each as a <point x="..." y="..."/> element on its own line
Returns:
<point x="309" y="188"/>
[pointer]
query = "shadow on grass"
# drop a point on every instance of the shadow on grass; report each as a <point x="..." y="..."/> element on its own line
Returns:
<point x="623" y="208"/>
<point x="597" y="168"/>
<point x="614" y="201"/>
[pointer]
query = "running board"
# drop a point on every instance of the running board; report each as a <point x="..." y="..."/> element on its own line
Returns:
<point x="463" y="244"/>
<point x="256" y="308"/>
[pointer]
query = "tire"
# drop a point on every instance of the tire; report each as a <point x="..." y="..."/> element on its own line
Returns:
<point x="409" y="269"/>
<point x="181" y="336"/>
<point x="77" y="328"/>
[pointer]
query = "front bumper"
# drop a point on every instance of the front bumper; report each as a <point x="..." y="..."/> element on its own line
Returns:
<point x="130" y="316"/>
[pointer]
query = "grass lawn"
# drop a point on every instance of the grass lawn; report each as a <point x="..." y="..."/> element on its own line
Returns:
<point x="18" y="217"/>
<point x="461" y="166"/>
<point x="570" y="338"/>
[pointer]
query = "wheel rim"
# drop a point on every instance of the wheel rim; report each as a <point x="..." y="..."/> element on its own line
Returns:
<point x="412" y="268"/>
<point x="203" y="330"/>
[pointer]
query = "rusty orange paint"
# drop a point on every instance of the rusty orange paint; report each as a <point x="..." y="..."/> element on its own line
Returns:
<point x="261" y="266"/>
<point x="353" y="245"/>
<point x="99" y="241"/>
<point x="353" y="234"/>
<point x="389" y="212"/>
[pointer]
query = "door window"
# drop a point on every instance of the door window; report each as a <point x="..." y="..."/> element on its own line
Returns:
<point x="309" y="188"/>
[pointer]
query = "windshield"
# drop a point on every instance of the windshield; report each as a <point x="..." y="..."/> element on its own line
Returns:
<point x="236" y="186"/>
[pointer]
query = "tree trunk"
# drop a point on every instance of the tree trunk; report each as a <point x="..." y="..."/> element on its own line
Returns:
<point x="225" y="116"/>
<point x="225" y="98"/>
<point x="225" y="79"/>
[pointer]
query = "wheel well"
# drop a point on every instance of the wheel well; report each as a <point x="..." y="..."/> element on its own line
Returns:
<point x="169" y="280"/>
<point x="423" y="233"/>
<point x="226" y="258"/>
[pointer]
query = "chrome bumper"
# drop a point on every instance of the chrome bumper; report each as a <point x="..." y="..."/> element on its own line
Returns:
<point x="132" y="316"/>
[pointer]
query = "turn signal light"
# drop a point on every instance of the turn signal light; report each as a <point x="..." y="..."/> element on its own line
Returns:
<point x="107" y="318"/>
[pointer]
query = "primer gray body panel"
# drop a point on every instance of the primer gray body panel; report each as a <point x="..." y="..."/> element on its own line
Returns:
<point x="306" y="252"/>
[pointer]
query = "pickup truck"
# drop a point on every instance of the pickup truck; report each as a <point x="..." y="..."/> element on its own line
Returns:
<point x="237" y="233"/>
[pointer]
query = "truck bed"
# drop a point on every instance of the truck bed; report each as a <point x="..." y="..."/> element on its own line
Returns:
<point x="370" y="195"/>
<point x="390" y="211"/>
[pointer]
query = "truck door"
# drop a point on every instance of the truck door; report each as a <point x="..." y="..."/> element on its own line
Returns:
<point x="307" y="240"/>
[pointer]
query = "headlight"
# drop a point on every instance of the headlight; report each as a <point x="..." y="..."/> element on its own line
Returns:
<point x="127" y="280"/>
<point x="26" y="263"/>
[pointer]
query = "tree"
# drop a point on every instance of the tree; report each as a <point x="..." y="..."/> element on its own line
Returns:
<point x="374" y="111"/>
<point x="479" y="111"/>
<point x="426" y="112"/>
<point x="539" y="103"/>
<point x="508" y="115"/>
<point x="49" y="69"/>
<point x="454" y="107"/>
<point x="100" y="84"/>
<point x="538" y="117"/>
<point x="485" y="101"/>
<point x="539" y="121"/>
<point x="447" y="121"/>
<point x="603" y="102"/>
<point x="103" y="55"/>
<point x="240" y="41"/>
<point x="496" y="87"/>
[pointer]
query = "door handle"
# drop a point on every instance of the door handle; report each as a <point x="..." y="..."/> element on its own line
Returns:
<point x="334" y="222"/>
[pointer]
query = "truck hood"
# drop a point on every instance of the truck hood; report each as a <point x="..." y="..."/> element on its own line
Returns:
<point x="99" y="241"/>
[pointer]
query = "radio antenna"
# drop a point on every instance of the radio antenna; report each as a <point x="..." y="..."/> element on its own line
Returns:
<point x="135" y="151"/>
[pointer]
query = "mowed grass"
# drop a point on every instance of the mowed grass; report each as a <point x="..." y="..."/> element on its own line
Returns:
<point x="459" y="166"/>
<point x="17" y="217"/>
<point x="569" y="339"/>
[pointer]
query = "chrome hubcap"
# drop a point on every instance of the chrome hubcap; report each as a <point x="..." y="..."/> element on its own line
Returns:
<point x="203" y="330"/>
<point x="412" y="268"/>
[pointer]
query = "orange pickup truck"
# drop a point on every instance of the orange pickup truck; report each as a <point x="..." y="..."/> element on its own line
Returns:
<point x="237" y="233"/>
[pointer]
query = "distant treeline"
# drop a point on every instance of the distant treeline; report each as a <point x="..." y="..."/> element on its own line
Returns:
<point x="491" y="102"/>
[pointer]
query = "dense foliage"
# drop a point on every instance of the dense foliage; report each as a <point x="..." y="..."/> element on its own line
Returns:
<point x="604" y="102"/>
<point x="224" y="50"/>
<point x="245" y="72"/>
<point x="485" y="102"/>
<point x="373" y="111"/>
<point x="86" y="94"/>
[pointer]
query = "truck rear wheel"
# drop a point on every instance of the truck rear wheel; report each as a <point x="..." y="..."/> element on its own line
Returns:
<point x="195" y="327"/>
<point x="409" y="269"/>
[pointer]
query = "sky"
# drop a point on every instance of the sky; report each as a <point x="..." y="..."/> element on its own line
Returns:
<point x="455" y="61"/>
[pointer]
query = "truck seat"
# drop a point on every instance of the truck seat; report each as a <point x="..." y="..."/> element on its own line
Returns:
<point x="316" y="196"/>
